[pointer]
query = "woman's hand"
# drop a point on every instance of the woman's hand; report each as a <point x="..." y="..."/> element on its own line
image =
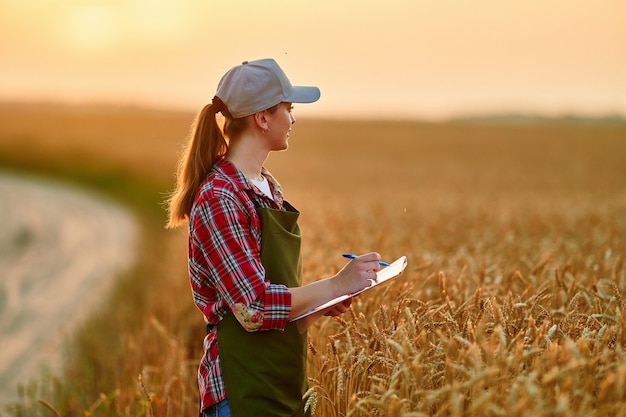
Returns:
<point x="336" y="310"/>
<point x="357" y="274"/>
<point x="339" y="309"/>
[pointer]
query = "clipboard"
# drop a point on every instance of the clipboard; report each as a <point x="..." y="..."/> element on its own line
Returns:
<point x="395" y="269"/>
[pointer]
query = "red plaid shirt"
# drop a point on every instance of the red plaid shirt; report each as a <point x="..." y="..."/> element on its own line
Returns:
<point x="225" y="263"/>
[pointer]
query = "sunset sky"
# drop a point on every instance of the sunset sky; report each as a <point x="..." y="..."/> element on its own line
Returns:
<point x="389" y="59"/>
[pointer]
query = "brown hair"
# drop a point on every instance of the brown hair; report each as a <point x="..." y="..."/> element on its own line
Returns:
<point x="205" y="146"/>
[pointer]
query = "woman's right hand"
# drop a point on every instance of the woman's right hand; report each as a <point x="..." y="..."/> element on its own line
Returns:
<point x="357" y="274"/>
<point x="354" y="276"/>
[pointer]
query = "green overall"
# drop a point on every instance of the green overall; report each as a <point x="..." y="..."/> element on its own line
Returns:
<point x="265" y="371"/>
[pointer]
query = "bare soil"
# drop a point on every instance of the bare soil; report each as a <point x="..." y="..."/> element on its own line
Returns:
<point x="60" y="250"/>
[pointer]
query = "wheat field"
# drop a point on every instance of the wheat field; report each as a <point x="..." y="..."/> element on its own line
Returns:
<point x="511" y="303"/>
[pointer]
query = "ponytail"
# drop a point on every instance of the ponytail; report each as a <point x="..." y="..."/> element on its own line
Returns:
<point x="205" y="146"/>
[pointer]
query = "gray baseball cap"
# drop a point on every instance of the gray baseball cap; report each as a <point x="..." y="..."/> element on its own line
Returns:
<point x="257" y="85"/>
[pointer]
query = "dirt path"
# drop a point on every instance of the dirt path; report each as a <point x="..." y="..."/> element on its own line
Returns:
<point x="60" y="250"/>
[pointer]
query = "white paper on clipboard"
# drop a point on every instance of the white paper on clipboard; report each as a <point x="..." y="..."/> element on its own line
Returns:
<point x="384" y="275"/>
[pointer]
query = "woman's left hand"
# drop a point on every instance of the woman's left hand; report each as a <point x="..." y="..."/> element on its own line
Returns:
<point x="336" y="310"/>
<point x="339" y="308"/>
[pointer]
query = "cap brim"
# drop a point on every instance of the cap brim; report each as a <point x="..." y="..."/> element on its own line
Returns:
<point x="303" y="95"/>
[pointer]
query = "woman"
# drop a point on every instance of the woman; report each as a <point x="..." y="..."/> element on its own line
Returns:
<point x="244" y="248"/>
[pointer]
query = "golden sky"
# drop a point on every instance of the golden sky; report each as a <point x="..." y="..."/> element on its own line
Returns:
<point x="387" y="59"/>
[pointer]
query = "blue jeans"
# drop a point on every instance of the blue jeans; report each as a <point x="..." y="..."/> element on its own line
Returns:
<point x="220" y="409"/>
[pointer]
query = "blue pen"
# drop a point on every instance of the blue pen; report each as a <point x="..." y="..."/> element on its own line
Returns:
<point x="351" y="256"/>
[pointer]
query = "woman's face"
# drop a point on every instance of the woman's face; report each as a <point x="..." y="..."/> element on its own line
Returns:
<point x="280" y="125"/>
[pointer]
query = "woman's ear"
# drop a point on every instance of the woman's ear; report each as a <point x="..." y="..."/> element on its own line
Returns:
<point x="261" y="121"/>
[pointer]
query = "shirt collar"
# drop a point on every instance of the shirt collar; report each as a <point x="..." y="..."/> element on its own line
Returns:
<point x="277" y="189"/>
<point x="230" y="171"/>
<point x="240" y="181"/>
